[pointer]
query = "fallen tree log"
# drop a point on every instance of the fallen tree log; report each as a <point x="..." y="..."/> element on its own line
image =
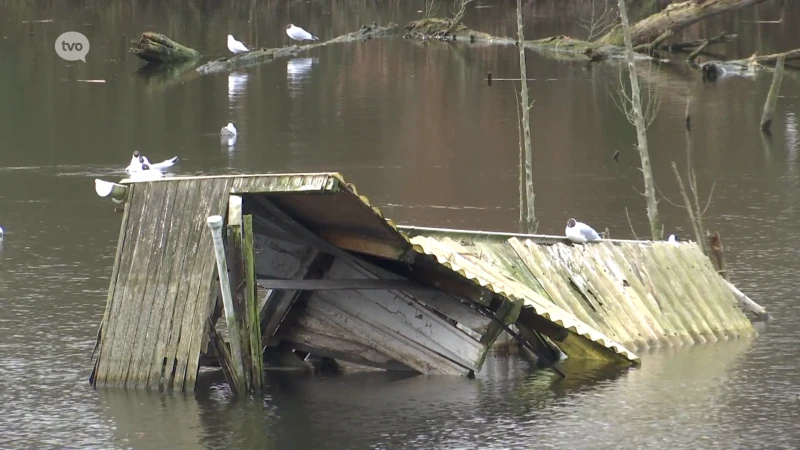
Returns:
<point x="157" y="48"/>
<point x="264" y="55"/>
<point x="674" y="17"/>
<point x="745" y="67"/>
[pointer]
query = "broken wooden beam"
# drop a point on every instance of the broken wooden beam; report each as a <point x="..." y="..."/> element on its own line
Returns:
<point x="360" y="244"/>
<point x="772" y="96"/>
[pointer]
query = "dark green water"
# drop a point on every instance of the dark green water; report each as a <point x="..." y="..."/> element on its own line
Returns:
<point x="418" y="131"/>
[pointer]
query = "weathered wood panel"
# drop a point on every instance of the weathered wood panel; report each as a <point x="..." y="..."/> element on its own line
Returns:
<point x="312" y="331"/>
<point x="156" y="323"/>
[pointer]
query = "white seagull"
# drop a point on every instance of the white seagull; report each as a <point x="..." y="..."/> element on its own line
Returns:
<point x="235" y="46"/>
<point x="146" y="174"/>
<point x="673" y="239"/>
<point x="138" y="161"/>
<point x="1" y="232"/>
<point x="579" y="232"/>
<point x="299" y="34"/>
<point x="228" y="130"/>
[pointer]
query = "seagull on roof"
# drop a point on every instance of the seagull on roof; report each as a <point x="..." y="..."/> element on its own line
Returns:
<point x="138" y="161"/>
<point x="579" y="232"/>
<point x="235" y="46"/>
<point x="146" y="173"/>
<point x="228" y="130"/>
<point x="299" y="34"/>
<point x="674" y="239"/>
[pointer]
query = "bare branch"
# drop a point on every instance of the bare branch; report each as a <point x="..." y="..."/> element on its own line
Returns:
<point x="665" y="197"/>
<point x="708" y="202"/>
<point x="630" y="224"/>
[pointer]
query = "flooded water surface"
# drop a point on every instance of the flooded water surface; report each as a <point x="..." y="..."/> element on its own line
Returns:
<point x="418" y="130"/>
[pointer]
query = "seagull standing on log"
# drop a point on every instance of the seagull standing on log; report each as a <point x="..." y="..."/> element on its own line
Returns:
<point x="299" y="34"/>
<point x="580" y="233"/>
<point x="235" y="46"/>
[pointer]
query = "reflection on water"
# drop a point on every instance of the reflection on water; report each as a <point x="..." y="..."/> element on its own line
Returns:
<point x="417" y="129"/>
<point x="298" y="70"/>
<point x="236" y="85"/>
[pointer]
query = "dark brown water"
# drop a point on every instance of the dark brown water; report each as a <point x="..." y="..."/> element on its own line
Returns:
<point x="419" y="132"/>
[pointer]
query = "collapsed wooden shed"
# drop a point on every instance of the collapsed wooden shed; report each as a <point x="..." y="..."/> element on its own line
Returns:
<point x="333" y="278"/>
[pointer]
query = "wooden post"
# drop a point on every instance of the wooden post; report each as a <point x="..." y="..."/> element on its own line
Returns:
<point x="715" y="244"/>
<point x="253" y="313"/>
<point x="238" y="281"/>
<point x="215" y="223"/>
<point x="529" y="224"/>
<point x="772" y="97"/>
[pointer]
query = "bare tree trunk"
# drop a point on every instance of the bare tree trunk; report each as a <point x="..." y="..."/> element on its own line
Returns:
<point x="641" y="127"/>
<point x="675" y="17"/>
<point x="772" y="97"/>
<point x="530" y="219"/>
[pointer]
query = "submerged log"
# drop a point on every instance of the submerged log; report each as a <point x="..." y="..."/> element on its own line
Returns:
<point x="772" y="97"/>
<point x="157" y="48"/>
<point x="264" y="55"/>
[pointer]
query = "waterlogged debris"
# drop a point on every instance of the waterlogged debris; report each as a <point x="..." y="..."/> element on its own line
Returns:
<point x="84" y="81"/>
<point x="38" y="21"/>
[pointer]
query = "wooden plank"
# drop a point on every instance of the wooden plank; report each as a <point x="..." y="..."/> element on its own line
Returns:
<point x="182" y="280"/>
<point x="235" y="311"/>
<point x="278" y="302"/>
<point x="197" y="294"/>
<point x="110" y="296"/>
<point x="169" y="281"/>
<point x="338" y="285"/>
<point x="149" y="313"/>
<point x="396" y="314"/>
<point x="253" y="318"/>
<point x="311" y="332"/>
<point x="135" y="266"/>
<point x="448" y="283"/>
<point x="360" y="244"/>
<point x="370" y="333"/>
<point x="436" y="299"/>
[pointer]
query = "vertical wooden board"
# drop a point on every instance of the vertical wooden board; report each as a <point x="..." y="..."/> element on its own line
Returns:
<point x="253" y="319"/>
<point x="162" y="303"/>
<point x="215" y="195"/>
<point x="666" y="296"/>
<point x="136" y="284"/>
<point x="389" y="310"/>
<point x="181" y="259"/>
<point x="111" y="289"/>
<point x="561" y="294"/>
<point x="149" y="313"/>
<point x="614" y="263"/>
<point x="396" y="346"/>
<point x="626" y="262"/>
<point x="682" y="273"/>
<point x="110" y="365"/>
<point x="615" y="292"/>
<point x="565" y="257"/>
<point x="141" y="305"/>
<point x="725" y="300"/>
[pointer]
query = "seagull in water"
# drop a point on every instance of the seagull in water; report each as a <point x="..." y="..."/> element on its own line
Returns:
<point x="138" y="161"/>
<point x="228" y="130"/>
<point x="235" y="46"/>
<point x="674" y="239"/>
<point x="580" y="233"/>
<point x="299" y="34"/>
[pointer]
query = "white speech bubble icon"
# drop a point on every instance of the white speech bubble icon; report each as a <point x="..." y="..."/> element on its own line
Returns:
<point x="72" y="46"/>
